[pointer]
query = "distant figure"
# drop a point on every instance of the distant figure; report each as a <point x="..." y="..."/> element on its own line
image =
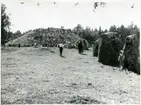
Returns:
<point x="61" y="46"/>
<point x="80" y="47"/>
<point x="19" y="45"/>
<point x="120" y="59"/>
<point x="35" y="44"/>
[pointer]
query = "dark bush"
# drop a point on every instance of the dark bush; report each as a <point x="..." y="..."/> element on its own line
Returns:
<point x="109" y="48"/>
<point x="131" y="54"/>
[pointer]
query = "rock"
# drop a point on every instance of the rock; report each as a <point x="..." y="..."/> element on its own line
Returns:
<point x="95" y="48"/>
<point x="102" y="66"/>
<point x="73" y="84"/>
<point x="89" y="84"/>
<point x="131" y="56"/>
<point x="109" y="48"/>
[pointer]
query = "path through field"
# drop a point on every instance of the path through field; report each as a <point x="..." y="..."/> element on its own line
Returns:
<point x="41" y="76"/>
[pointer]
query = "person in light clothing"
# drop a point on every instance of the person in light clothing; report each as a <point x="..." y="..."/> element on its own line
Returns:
<point x="120" y="59"/>
<point x="61" y="46"/>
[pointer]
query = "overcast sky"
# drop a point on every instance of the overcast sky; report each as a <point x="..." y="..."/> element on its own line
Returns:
<point x="30" y="16"/>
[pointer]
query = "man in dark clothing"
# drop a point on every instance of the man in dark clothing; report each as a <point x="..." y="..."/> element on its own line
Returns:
<point x="19" y="45"/>
<point x="80" y="47"/>
<point x="61" y="46"/>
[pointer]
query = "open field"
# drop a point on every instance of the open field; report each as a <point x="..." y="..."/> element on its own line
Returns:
<point x="41" y="76"/>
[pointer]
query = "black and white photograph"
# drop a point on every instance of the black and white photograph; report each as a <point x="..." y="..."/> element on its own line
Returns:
<point x="70" y="51"/>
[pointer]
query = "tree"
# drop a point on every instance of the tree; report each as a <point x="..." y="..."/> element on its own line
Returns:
<point x="95" y="30"/>
<point x="99" y="31"/>
<point x="136" y="31"/>
<point x="105" y="30"/>
<point x="78" y="29"/>
<point x="16" y="34"/>
<point x="5" y="23"/>
<point x="113" y="28"/>
<point x="133" y="29"/>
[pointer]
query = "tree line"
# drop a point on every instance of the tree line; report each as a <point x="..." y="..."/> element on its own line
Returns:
<point x="92" y="35"/>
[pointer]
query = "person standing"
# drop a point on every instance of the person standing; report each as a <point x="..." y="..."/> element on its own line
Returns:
<point x="61" y="46"/>
<point x="19" y="45"/>
<point x="120" y="59"/>
<point x="80" y="47"/>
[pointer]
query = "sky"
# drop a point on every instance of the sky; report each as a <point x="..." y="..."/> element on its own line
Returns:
<point x="29" y="15"/>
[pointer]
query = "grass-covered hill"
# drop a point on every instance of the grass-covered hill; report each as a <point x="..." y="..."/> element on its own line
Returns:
<point x="45" y="37"/>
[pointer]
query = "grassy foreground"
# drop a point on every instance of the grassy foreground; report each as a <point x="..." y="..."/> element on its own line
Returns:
<point x="41" y="76"/>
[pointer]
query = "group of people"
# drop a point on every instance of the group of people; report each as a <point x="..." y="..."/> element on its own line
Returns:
<point x="79" y="45"/>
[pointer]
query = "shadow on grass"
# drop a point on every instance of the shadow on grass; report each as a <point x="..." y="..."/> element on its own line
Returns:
<point x="84" y="54"/>
<point x="63" y="56"/>
<point x="47" y="49"/>
<point x="52" y="51"/>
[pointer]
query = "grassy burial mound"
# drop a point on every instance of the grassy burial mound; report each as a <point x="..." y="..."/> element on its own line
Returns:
<point x="95" y="48"/>
<point x="131" y="59"/>
<point x="26" y="39"/>
<point x="109" y="48"/>
<point x="46" y="37"/>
